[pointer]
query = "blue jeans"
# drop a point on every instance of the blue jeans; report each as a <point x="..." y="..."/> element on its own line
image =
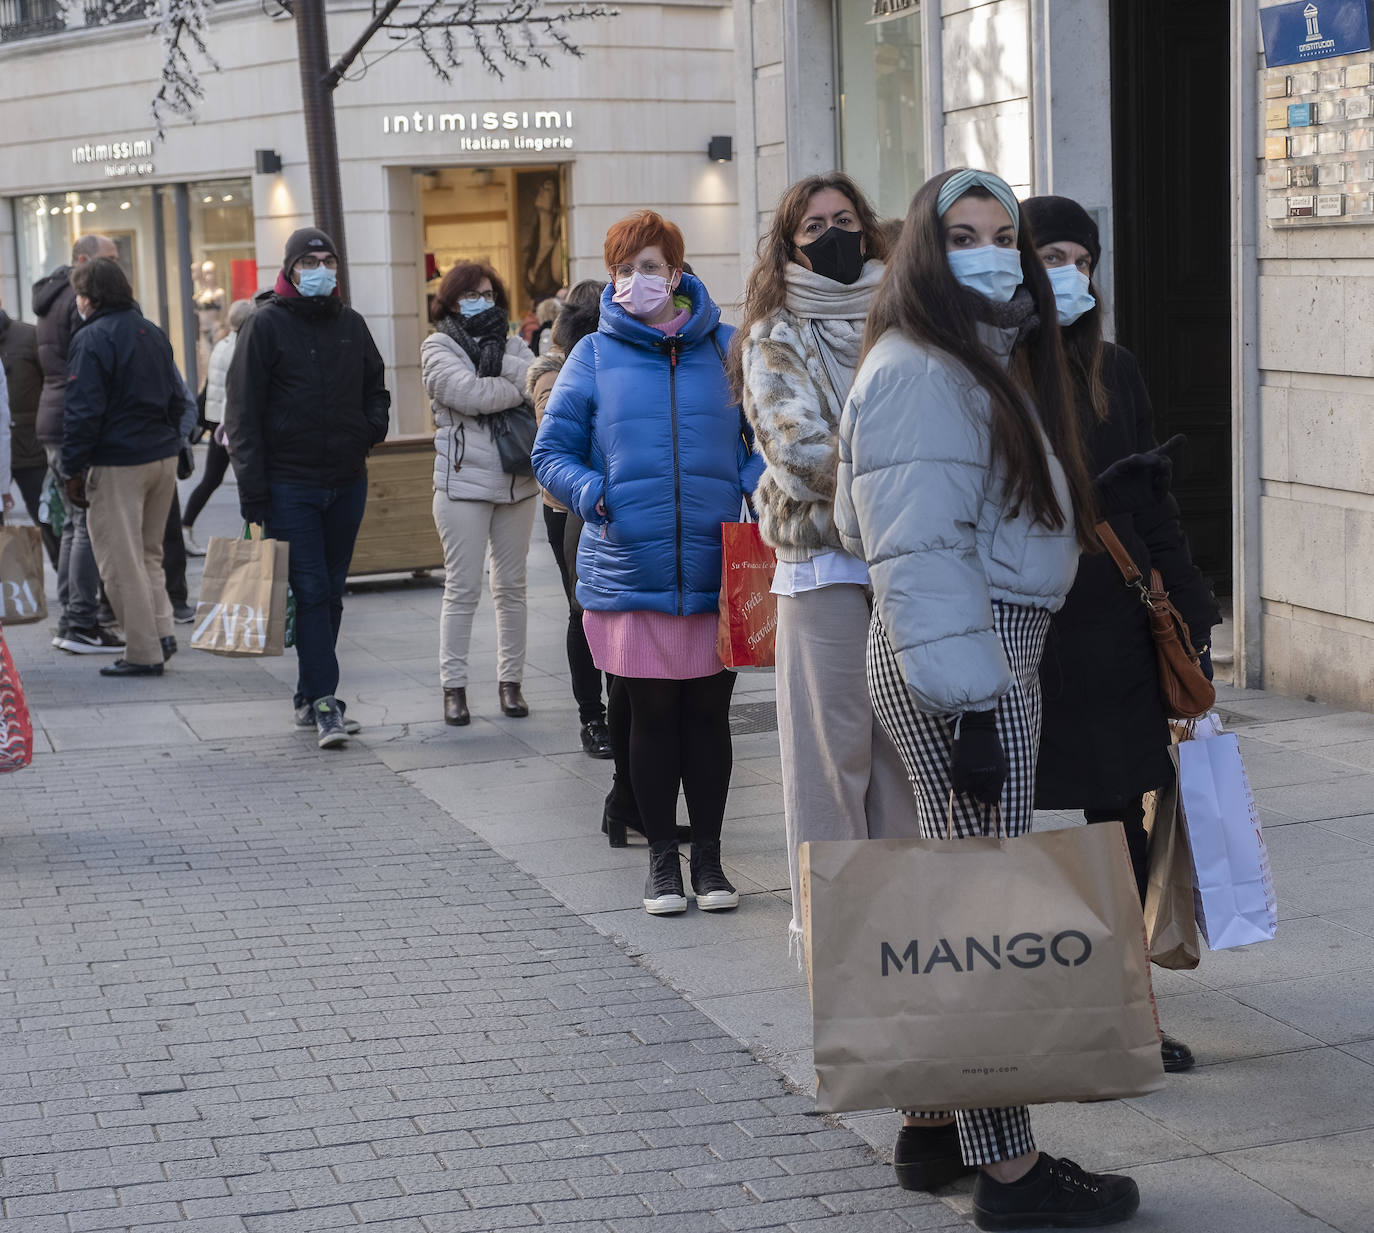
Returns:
<point x="321" y="525"/>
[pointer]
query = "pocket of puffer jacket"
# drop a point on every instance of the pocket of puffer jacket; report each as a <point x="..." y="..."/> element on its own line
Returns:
<point x="1009" y="541"/>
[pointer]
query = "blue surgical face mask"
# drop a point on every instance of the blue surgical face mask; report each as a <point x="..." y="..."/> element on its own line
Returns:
<point x="992" y="272"/>
<point x="1072" y="296"/>
<point x="473" y="305"/>
<point x="319" y="281"/>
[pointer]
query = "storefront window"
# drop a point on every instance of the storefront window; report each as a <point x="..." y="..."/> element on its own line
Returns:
<point x="882" y="104"/>
<point x="224" y="264"/>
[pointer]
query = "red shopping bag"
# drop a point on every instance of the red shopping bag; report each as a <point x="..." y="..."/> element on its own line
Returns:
<point x="748" y="622"/>
<point x="16" y="729"/>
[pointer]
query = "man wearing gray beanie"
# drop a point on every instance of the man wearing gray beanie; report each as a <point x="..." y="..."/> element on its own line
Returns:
<point x="307" y="401"/>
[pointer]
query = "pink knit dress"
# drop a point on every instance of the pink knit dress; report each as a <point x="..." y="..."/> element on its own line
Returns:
<point x="654" y="644"/>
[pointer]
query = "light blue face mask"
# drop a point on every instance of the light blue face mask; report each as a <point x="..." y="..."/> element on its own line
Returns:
<point x="992" y="272"/>
<point x="318" y="281"/>
<point x="1071" y="294"/>
<point x="473" y="306"/>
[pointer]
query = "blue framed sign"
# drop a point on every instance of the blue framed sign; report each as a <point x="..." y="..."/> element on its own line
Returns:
<point x="1314" y="30"/>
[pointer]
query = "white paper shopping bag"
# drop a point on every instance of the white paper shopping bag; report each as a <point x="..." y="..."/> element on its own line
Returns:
<point x="1236" y="903"/>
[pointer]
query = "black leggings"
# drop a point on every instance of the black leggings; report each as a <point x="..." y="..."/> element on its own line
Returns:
<point x="216" y="464"/>
<point x="586" y="679"/>
<point x="1132" y="817"/>
<point x="680" y="733"/>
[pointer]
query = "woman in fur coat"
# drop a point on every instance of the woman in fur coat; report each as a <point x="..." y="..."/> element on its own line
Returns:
<point x="793" y="361"/>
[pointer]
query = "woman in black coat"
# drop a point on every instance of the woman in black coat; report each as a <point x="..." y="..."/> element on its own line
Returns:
<point x="1105" y="739"/>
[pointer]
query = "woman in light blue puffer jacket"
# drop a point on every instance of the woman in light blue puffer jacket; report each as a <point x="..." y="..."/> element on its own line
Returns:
<point x="962" y="483"/>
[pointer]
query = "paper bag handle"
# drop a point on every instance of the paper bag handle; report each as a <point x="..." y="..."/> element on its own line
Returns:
<point x="949" y="818"/>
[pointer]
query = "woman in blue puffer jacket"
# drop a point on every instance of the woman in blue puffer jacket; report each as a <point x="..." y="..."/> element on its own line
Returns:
<point x="642" y="439"/>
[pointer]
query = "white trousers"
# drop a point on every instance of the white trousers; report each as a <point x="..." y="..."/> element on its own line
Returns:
<point x="466" y="528"/>
<point x="842" y="776"/>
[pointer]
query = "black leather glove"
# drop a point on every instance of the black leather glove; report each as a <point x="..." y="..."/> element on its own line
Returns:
<point x="978" y="767"/>
<point x="255" y="511"/>
<point x="1204" y="660"/>
<point x="1134" y="483"/>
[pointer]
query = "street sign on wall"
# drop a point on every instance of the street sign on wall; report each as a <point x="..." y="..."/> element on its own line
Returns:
<point x="1314" y="30"/>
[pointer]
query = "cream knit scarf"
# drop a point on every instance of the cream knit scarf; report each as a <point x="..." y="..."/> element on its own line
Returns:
<point x="837" y="314"/>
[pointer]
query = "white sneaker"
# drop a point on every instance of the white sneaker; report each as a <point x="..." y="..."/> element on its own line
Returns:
<point x="188" y="538"/>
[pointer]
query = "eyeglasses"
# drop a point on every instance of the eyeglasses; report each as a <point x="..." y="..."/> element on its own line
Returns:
<point x="488" y="296"/>
<point x="651" y="269"/>
<point x="311" y="262"/>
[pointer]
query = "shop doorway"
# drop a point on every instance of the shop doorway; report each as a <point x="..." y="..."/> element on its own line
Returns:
<point x="512" y="218"/>
<point x="1171" y="165"/>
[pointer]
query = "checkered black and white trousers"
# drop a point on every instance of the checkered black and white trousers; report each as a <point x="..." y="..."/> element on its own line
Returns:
<point x="925" y="744"/>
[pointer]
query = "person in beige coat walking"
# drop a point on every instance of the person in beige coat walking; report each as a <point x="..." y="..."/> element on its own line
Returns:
<point x="473" y="368"/>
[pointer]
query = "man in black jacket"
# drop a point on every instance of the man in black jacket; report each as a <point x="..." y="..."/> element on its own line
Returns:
<point x="307" y="401"/>
<point x="78" y="581"/>
<point x="123" y="412"/>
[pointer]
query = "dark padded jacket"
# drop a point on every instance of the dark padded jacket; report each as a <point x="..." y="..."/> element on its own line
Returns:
<point x="307" y="397"/>
<point x="24" y="376"/>
<point x="125" y="398"/>
<point x="54" y="304"/>
<point x="1105" y="740"/>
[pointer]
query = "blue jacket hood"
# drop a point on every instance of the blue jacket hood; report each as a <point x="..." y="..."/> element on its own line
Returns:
<point x="705" y="317"/>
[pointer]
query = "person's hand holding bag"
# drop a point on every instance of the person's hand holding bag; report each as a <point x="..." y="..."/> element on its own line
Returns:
<point x="978" y="767"/>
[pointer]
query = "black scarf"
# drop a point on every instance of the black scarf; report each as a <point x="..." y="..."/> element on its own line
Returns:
<point x="1018" y="313"/>
<point x="482" y="337"/>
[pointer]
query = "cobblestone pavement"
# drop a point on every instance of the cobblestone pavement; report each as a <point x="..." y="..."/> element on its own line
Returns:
<point x="249" y="989"/>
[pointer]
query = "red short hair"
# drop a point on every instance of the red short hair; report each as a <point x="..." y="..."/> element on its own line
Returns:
<point x="463" y="279"/>
<point x="640" y="230"/>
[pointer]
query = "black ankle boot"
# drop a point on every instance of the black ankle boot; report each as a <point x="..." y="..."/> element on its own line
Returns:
<point x="928" y="1157"/>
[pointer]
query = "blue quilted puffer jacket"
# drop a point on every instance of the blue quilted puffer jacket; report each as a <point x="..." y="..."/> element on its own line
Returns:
<point x="645" y="425"/>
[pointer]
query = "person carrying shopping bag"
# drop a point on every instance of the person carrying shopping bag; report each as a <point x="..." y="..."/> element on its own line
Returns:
<point x="642" y="440"/>
<point x="962" y="484"/>
<point x="1100" y="659"/>
<point x="474" y="372"/>
<point x="793" y="360"/>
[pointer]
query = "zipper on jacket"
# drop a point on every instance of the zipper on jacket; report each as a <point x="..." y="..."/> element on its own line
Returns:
<point x="673" y="345"/>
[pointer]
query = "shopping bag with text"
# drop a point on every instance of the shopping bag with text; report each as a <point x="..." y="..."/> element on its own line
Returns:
<point x="242" y="608"/>
<point x="21" y="575"/>
<point x="747" y="627"/>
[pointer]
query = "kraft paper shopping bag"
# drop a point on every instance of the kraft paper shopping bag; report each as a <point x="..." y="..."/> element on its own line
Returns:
<point x="974" y="973"/>
<point x="1170" y="917"/>
<point x="242" y="608"/>
<point x="21" y="575"/>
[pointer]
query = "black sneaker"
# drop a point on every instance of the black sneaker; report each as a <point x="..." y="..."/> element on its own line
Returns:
<point x="329" y="724"/>
<point x="122" y="667"/>
<point x="1055" y="1194"/>
<point x="91" y="642"/>
<point x="305" y="718"/>
<point x="663" y="893"/>
<point x="1177" y="1057"/>
<point x="169" y="647"/>
<point x="928" y="1157"/>
<point x="183" y="614"/>
<point x="709" y="883"/>
<point x="596" y="740"/>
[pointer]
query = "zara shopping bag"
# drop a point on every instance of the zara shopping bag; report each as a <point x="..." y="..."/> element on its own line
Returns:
<point x="16" y="728"/>
<point x="746" y="631"/>
<point x="1170" y="915"/>
<point x="977" y="973"/>
<point x="1234" y="899"/>
<point x="242" y="609"/>
<point x="21" y="575"/>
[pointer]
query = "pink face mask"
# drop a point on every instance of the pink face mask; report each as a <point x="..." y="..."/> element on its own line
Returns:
<point x="642" y="295"/>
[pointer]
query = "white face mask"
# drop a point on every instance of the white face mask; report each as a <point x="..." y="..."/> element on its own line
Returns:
<point x="992" y="272"/>
<point x="1072" y="296"/>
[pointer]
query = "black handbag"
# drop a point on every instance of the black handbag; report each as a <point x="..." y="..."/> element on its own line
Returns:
<point x="513" y="432"/>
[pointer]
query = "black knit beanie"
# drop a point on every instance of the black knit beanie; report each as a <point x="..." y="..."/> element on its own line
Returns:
<point x="307" y="240"/>
<point x="1053" y="219"/>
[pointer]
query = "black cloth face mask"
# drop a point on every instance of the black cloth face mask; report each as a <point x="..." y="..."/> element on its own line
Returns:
<point x="837" y="255"/>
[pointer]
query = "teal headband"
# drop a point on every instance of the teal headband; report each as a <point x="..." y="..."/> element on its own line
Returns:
<point x="961" y="181"/>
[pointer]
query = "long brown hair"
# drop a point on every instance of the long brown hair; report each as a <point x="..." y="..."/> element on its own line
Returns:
<point x="1083" y="351"/>
<point x="920" y="296"/>
<point x="766" y="291"/>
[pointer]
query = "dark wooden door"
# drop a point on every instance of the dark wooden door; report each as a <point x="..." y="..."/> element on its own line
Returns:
<point x="1171" y="166"/>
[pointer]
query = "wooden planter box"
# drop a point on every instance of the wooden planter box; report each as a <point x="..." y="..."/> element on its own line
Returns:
<point x="398" y="535"/>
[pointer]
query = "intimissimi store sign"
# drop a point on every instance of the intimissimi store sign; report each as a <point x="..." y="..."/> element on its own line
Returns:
<point x="532" y="131"/>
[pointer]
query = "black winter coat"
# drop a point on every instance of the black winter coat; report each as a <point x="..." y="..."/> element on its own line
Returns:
<point x="54" y="304"/>
<point x="24" y="376"/>
<point x="125" y="398"/>
<point x="307" y="397"/>
<point x="1105" y="739"/>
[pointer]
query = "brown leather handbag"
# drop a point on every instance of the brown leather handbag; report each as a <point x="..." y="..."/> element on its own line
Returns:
<point x="1186" y="692"/>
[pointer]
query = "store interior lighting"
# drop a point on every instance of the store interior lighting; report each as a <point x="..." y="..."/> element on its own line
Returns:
<point x="55" y="210"/>
<point x="124" y="205"/>
<point x="227" y="197"/>
<point x="207" y="199"/>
